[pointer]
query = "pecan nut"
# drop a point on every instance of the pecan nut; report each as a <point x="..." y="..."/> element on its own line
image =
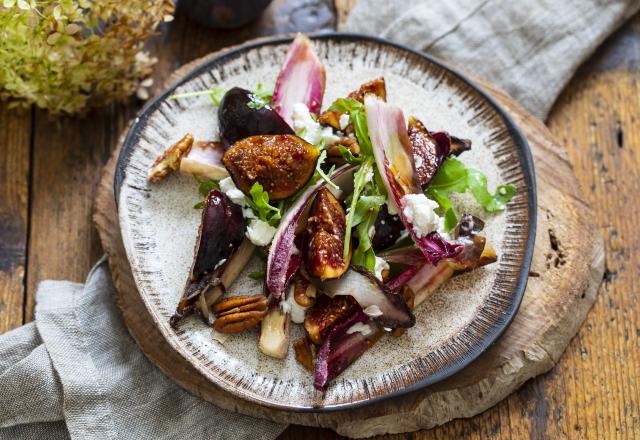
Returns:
<point x="239" y="313"/>
<point x="170" y="159"/>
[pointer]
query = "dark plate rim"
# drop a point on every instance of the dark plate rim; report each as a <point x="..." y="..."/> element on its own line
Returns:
<point x="526" y="164"/>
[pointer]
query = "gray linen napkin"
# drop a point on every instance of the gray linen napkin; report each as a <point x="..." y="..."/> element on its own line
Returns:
<point x="529" y="48"/>
<point x="77" y="373"/>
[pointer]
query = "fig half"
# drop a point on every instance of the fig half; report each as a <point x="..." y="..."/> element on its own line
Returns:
<point x="326" y="230"/>
<point x="326" y="313"/>
<point x="282" y="164"/>
<point x="240" y="117"/>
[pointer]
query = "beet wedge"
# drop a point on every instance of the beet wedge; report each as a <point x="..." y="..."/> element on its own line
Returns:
<point x="345" y="343"/>
<point x="301" y="79"/>
<point x="387" y="308"/>
<point x="219" y="237"/>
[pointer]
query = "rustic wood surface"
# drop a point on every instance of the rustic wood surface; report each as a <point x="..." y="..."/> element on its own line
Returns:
<point x="48" y="172"/>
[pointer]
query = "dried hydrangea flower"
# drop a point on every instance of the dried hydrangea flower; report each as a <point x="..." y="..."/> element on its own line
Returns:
<point x="68" y="55"/>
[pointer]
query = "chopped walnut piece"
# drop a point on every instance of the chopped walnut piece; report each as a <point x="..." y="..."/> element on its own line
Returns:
<point x="170" y="159"/>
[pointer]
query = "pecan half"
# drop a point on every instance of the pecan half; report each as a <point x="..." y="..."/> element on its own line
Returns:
<point x="304" y="292"/>
<point x="239" y="313"/>
<point x="170" y="159"/>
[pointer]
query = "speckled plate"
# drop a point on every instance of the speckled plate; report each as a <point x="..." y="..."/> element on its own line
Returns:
<point x="455" y="325"/>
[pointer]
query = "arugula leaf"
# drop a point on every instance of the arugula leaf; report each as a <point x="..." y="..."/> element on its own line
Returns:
<point x="204" y="186"/>
<point x="366" y="213"/>
<point x="358" y="118"/>
<point x="215" y="93"/>
<point x="321" y="174"/>
<point x="259" y="201"/>
<point x="260" y="97"/>
<point x="348" y="156"/>
<point x="359" y="181"/>
<point x="455" y="177"/>
<point x="258" y="275"/>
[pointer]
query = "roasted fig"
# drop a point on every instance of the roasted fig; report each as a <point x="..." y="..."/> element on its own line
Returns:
<point x="305" y="353"/>
<point x="220" y="235"/>
<point x="388" y="229"/>
<point x="240" y="117"/>
<point x="326" y="228"/>
<point x="326" y="313"/>
<point x="376" y="87"/>
<point x="282" y="164"/>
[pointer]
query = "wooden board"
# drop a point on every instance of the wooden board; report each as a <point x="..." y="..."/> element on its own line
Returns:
<point x="566" y="272"/>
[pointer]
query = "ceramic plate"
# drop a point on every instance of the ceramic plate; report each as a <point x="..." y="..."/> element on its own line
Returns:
<point x="460" y="320"/>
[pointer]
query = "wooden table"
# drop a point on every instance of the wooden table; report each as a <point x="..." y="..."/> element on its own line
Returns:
<point x="49" y="169"/>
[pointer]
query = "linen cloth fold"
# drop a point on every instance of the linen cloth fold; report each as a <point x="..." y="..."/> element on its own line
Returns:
<point x="76" y="373"/>
<point x="529" y="48"/>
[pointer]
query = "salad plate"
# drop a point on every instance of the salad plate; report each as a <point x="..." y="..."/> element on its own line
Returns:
<point x="453" y="323"/>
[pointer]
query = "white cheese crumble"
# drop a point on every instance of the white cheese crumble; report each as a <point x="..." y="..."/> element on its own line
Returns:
<point x="229" y="188"/>
<point x="419" y="210"/>
<point x="293" y="308"/>
<point x="359" y="327"/>
<point x="260" y="233"/>
<point x="381" y="265"/>
<point x="343" y="121"/>
<point x="309" y="129"/>
<point x="373" y="311"/>
<point x="369" y="176"/>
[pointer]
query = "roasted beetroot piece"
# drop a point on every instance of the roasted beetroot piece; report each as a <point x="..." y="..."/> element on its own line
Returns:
<point x="204" y="160"/>
<point x="301" y="79"/>
<point x="326" y="313"/>
<point x="376" y="299"/>
<point x="323" y="252"/>
<point x="375" y="87"/>
<point x="284" y="257"/>
<point x="388" y="229"/>
<point x="220" y="235"/>
<point x="345" y="343"/>
<point x="281" y="163"/>
<point x="239" y="117"/>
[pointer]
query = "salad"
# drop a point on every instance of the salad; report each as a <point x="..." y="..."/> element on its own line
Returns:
<point x="349" y="206"/>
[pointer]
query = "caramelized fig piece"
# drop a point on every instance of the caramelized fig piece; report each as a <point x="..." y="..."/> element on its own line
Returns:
<point x="386" y="307"/>
<point x="170" y="159"/>
<point x="344" y="344"/>
<point x="282" y="164"/>
<point x="240" y="117"/>
<point x="204" y="160"/>
<point x="220" y="235"/>
<point x="323" y="253"/>
<point x="326" y="313"/>
<point x="376" y="87"/>
<point x="388" y="229"/>
<point x="409" y="298"/>
<point x="304" y="292"/>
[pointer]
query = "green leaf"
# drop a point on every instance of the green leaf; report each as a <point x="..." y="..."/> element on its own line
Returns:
<point x="455" y="177"/>
<point x="364" y="255"/>
<point x="365" y="205"/>
<point x="215" y="93"/>
<point x="348" y="156"/>
<point x="358" y="118"/>
<point x="258" y="275"/>
<point x="206" y="185"/>
<point x="359" y="181"/>
<point x="198" y="205"/>
<point x="259" y="201"/>
<point x="321" y="174"/>
<point x="260" y="97"/>
<point x="346" y="105"/>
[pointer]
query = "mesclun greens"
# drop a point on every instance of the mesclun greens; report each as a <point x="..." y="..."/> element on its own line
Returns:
<point x="321" y="174"/>
<point x="215" y="93"/>
<point x="204" y="186"/>
<point x="260" y="97"/>
<point x="455" y="177"/>
<point x="259" y="202"/>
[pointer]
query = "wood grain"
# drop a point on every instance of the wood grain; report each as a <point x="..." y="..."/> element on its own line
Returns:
<point x="14" y="209"/>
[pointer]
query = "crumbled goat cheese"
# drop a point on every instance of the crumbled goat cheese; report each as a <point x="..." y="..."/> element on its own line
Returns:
<point x="260" y="233"/>
<point x="309" y="129"/>
<point x="417" y="159"/>
<point x="419" y="210"/>
<point x="359" y="327"/>
<point x="380" y="266"/>
<point x="229" y="188"/>
<point x="344" y="121"/>
<point x="293" y="308"/>
<point x="373" y="311"/>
